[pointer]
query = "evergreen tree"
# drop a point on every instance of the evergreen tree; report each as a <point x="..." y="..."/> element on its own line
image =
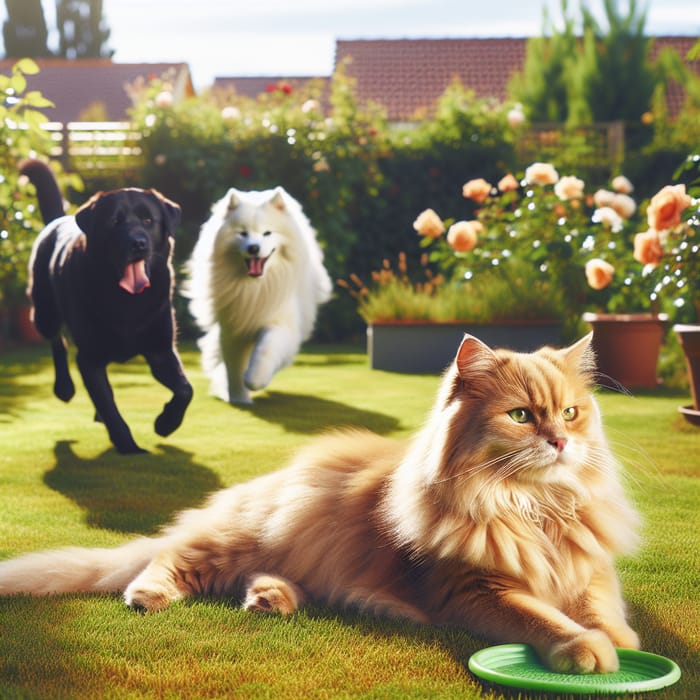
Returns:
<point x="542" y="86"/>
<point x="81" y="28"/>
<point x="601" y="74"/>
<point x="613" y="77"/>
<point x="24" y="31"/>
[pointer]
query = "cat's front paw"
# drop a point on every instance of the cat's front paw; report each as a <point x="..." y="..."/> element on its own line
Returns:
<point x="150" y="598"/>
<point x="589" y="652"/>
<point x="272" y="594"/>
<point x="623" y="636"/>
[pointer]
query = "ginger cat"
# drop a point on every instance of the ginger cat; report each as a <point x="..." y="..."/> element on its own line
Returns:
<point x="503" y="514"/>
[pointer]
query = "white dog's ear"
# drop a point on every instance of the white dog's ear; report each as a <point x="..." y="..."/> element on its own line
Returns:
<point x="233" y="199"/>
<point x="277" y="200"/>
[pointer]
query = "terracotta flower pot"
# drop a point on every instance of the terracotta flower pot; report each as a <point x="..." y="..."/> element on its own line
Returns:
<point x="627" y="347"/>
<point x="689" y="337"/>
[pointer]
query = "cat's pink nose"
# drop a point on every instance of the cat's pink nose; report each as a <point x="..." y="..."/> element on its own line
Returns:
<point x="558" y="443"/>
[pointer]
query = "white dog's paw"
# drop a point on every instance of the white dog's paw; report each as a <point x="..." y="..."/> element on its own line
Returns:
<point x="257" y="377"/>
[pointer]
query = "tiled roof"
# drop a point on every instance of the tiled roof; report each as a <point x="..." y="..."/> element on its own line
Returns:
<point x="74" y="86"/>
<point x="407" y="76"/>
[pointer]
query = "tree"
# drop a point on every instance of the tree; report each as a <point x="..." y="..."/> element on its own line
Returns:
<point x="24" y="31"/>
<point x="603" y="74"/>
<point x="81" y="28"/>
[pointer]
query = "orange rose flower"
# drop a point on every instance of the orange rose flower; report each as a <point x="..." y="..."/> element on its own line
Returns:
<point x="541" y="174"/>
<point x="647" y="248"/>
<point x="478" y="190"/>
<point x="569" y="187"/>
<point x="666" y="206"/>
<point x="508" y="183"/>
<point x="429" y="224"/>
<point x="599" y="273"/>
<point x="462" y="235"/>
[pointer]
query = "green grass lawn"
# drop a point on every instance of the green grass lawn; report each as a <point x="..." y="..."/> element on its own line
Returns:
<point x="61" y="483"/>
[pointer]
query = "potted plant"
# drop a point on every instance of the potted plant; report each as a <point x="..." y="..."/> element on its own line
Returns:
<point x="415" y="318"/>
<point x="670" y="252"/>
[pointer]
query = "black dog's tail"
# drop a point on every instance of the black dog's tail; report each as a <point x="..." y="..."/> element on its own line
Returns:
<point x="47" y="192"/>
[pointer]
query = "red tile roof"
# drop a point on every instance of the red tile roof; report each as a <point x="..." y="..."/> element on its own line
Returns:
<point x="407" y="76"/>
<point x="74" y="86"/>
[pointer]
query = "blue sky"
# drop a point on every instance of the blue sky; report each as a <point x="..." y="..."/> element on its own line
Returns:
<point x="297" y="37"/>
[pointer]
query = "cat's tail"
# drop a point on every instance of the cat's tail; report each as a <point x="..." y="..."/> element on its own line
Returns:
<point x="75" y="570"/>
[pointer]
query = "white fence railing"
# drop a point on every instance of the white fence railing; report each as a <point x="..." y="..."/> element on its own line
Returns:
<point x="98" y="148"/>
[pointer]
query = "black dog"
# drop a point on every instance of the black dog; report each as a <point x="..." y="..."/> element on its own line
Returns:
<point x="106" y="275"/>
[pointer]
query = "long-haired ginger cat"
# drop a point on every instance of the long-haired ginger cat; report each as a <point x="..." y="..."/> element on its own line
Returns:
<point x="503" y="514"/>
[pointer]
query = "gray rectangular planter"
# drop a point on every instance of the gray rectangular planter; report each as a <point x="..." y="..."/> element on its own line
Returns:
<point x="418" y="347"/>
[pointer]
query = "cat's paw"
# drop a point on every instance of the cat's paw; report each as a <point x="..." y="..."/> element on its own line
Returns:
<point x="589" y="652"/>
<point x="272" y="594"/>
<point x="150" y="598"/>
<point x="623" y="636"/>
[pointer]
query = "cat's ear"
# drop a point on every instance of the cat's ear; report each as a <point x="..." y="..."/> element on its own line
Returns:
<point x="581" y="354"/>
<point x="474" y="358"/>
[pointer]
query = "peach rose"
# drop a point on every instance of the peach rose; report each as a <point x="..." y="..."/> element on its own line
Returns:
<point x="478" y="190"/>
<point x="624" y="205"/>
<point x="515" y="117"/>
<point x="429" y="224"/>
<point x="599" y="273"/>
<point x="569" y="187"/>
<point x="647" y="247"/>
<point x="508" y="183"/>
<point x="541" y="174"/>
<point x="603" y="198"/>
<point x="666" y="206"/>
<point x="622" y="184"/>
<point x="608" y="217"/>
<point x="462" y="235"/>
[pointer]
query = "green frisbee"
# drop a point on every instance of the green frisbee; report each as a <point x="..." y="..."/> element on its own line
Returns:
<point x="518" y="666"/>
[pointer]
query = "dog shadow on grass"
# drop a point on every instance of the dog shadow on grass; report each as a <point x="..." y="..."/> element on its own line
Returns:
<point x="133" y="494"/>
<point x="308" y="414"/>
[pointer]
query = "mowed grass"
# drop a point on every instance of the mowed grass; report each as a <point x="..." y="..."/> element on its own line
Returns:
<point x="61" y="484"/>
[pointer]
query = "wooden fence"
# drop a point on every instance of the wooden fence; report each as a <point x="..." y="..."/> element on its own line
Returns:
<point x="96" y="148"/>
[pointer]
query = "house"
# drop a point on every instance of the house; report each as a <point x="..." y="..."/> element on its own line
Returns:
<point x="97" y="89"/>
<point x="408" y="76"/>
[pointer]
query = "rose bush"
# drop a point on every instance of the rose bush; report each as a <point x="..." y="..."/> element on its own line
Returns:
<point x="585" y="246"/>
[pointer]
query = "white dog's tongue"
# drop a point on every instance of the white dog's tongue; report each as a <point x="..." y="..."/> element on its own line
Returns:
<point x="135" y="279"/>
<point x="255" y="266"/>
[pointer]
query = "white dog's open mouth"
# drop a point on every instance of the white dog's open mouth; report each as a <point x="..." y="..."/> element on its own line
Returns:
<point x="256" y="265"/>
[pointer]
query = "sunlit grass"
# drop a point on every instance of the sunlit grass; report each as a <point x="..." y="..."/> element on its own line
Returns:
<point x="61" y="483"/>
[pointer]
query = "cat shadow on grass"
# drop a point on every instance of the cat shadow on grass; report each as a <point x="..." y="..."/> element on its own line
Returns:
<point x="133" y="495"/>
<point x="308" y="414"/>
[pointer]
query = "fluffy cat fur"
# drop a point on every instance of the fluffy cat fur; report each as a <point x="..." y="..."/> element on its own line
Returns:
<point x="503" y="514"/>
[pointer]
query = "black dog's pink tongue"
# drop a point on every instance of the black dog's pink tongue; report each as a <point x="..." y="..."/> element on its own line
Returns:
<point x="135" y="279"/>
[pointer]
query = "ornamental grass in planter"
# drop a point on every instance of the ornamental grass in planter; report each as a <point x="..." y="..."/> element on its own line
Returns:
<point x="415" y="318"/>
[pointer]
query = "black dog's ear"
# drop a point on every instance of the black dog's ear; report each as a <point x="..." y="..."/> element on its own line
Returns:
<point x="171" y="212"/>
<point x="85" y="214"/>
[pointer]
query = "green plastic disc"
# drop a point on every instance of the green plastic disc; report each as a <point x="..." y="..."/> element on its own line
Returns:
<point x="517" y="665"/>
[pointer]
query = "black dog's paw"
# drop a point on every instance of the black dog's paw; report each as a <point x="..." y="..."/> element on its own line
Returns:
<point x="132" y="449"/>
<point x="64" y="389"/>
<point x="173" y="412"/>
<point x="167" y="422"/>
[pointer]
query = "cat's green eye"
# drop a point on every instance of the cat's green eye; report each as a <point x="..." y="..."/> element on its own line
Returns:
<point x="520" y="415"/>
<point x="569" y="413"/>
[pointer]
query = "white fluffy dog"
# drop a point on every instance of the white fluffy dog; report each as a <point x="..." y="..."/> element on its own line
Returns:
<point x="256" y="281"/>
